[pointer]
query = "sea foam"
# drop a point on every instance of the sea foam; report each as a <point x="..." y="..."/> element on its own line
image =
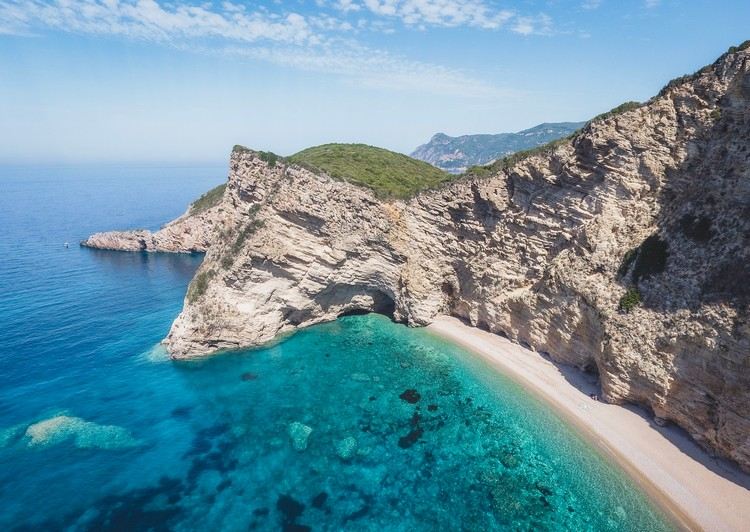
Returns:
<point x="156" y="354"/>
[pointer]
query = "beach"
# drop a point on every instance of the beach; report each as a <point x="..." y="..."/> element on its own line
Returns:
<point x="698" y="491"/>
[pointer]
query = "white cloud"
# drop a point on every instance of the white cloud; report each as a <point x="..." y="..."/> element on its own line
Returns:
<point x="288" y="39"/>
<point x="146" y="19"/>
<point x="375" y="68"/>
<point x="473" y="13"/>
<point x="591" y="4"/>
<point x="347" y="5"/>
<point x="537" y="25"/>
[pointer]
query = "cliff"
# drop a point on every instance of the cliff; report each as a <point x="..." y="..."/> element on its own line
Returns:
<point x="623" y="250"/>
<point x="193" y="232"/>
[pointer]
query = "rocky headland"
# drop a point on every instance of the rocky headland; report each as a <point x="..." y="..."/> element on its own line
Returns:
<point x="623" y="250"/>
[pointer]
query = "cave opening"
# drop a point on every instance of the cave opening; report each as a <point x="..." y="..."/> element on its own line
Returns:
<point x="382" y="303"/>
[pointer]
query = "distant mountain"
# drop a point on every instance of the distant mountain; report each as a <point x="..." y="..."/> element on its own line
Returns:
<point x="456" y="154"/>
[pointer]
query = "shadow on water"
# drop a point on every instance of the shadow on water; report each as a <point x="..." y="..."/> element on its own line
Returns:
<point x="181" y="264"/>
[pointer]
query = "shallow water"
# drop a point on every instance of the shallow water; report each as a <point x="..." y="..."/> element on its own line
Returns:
<point x="99" y="431"/>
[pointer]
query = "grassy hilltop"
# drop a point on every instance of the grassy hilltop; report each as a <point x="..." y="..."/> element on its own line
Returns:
<point x="389" y="174"/>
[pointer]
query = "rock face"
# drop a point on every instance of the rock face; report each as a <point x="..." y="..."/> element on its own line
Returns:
<point x="456" y="154"/>
<point x="653" y="203"/>
<point x="193" y="232"/>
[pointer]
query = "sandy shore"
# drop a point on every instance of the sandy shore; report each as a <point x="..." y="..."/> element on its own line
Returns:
<point x="700" y="492"/>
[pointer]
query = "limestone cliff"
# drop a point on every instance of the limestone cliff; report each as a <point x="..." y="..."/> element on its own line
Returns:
<point x="193" y="232"/>
<point x="623" y="251"/>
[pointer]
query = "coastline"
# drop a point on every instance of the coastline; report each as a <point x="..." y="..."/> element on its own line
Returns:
<point x="698" y="492"/>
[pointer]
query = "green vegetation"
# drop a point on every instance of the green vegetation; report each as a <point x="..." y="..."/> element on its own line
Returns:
<point x="716" y="114"/>
<point x="622" y="108"/>
<point x="627" y="262"/>
<point x="269" y="157"/>
<point x="252" y="226"/>
<point x="247" y="231"/>
<point x="649" y="258"/>
<point x="689" y="77"/>
<point x="208" y="200"/>
<point x="515" y="158"/>
<point x="199" y="285"/>
<point x="388" y="174"/>
<point x="240" y="148"/>
<point x="630" y="300"/>
<point x="511" y="160"/>
<point x="652" y="258"/>
<point x="744" y="46"/>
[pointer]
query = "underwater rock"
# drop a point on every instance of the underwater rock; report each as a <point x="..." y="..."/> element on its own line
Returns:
<point x="9" y="435"/>
<point x="249" y="376"/>
<point x="410" y="396"/>
<point x="299" y="433"/>
<point x="432" y="408"/>
<point x="346" y="448"/>
<point x="290" y="508"/>
<point x="85" y="434"/>
<point x="320" y="500"/>
<point x="410" y="439"/>
<point x="181" y="412"/>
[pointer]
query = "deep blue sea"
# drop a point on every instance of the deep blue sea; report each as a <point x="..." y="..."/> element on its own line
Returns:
<point x="360" y="424"/>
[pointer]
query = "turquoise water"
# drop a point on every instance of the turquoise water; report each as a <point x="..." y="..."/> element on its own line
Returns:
<point x="99" y="431"/>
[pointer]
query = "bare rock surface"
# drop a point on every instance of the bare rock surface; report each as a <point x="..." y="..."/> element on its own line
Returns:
<point x="655" y="200"/>
<point x="190" y="233"/>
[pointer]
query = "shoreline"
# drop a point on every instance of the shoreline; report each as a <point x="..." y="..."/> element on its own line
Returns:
<point x="678" y="476"/>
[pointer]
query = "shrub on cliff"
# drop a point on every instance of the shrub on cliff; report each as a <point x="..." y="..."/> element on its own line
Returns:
<point x="199" y="285"/>
<point x="630" y="300"/>
<point x="622" y="108"/>
<point x="648" y="259"/>
<point x="208" y="200"/>
<point x="651" y="259"/>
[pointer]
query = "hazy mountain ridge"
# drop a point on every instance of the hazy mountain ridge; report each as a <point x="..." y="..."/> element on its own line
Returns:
<point x="457" y="154"/>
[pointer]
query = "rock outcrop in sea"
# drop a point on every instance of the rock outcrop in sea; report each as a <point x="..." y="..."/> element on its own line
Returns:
<point x="624" y="251"/>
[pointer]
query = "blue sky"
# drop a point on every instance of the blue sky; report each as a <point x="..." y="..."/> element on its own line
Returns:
<point x="157" y="81"/>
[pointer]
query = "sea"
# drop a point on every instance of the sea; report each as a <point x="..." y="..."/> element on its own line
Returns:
<point x="357" y="424"/>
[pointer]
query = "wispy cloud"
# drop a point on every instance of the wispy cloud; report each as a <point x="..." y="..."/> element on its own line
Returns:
<point x="474" y="13"/>
<point x="312" y="42"/>
<point x="146" y="19"/>
<point x="536" y="25"/>
<point x="376" y="69"/>
<point x="591" y="4"/>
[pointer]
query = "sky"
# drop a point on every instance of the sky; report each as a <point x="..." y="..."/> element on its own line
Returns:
<point x="153" y="81"/>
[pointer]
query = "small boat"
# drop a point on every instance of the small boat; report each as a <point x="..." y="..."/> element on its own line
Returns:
<point x="66" y="244"/>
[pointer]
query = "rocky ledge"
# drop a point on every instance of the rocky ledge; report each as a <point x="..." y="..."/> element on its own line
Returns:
<point x="624" y="251"/>
<point x="193" y="232"/>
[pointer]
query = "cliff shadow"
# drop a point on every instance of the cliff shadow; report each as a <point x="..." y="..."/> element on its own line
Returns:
<point x="700" y="250"/>
<point x="693" y="271"/>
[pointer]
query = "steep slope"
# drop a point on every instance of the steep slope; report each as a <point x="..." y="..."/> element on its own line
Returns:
<point x="193" y="232"/>
<point x="457" y="154"/>
<point x="623" y="251"/>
